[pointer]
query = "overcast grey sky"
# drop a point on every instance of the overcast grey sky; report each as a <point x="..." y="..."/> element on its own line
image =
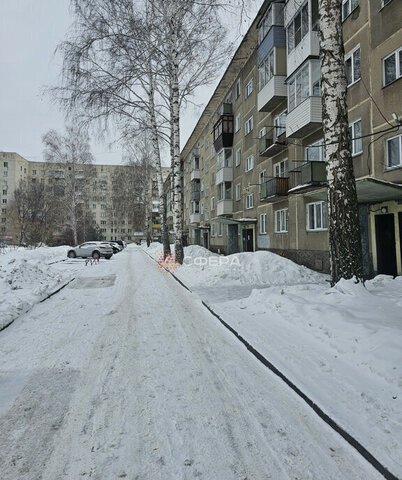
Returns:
<point x="29" y="33"/>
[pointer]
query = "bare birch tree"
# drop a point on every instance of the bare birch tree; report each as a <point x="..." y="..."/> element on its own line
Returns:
<point x="69" y="154"/>
<point x="344" y="233"/>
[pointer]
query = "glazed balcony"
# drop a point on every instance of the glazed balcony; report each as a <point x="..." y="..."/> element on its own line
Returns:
<point x="305" y="118"/>
<point x="272" y="94"/>
<point x="223" y="128"/>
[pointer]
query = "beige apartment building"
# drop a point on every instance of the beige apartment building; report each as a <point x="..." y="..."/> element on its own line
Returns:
<point x="100" y="182"/>
<point x="254" y="166"/>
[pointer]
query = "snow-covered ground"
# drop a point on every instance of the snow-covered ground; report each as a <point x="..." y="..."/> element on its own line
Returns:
<point x="341" y="346"/>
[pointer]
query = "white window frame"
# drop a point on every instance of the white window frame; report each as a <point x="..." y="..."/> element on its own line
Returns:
<point x="237" y="123"/>
<point x="398" y="165"/>
<point x="263" y="223"/>
<point x="238" y="157"/>
<point x="212" y="203"/>
<point x="238" y="192"/>
<point x="398" y="66"/>
<point x="320" y="217"/>
<point x="267" y="68"/>
<point x="356" y="144"/>
<point x="249" y="163"/>
<point x="249" y="88"/>
<point x="220" y="229"/>
<point x="238" y="88"/>
<point x="304" y="27"/>
<point x="212" y="229"/>
<point x="249" y="201"/>
<point x="351" y="55"/>
<point x="280" y="125"/>
<point x="351" y="7"/>
<point x="281" y="169"/>
<point x="281" y="219"/>
<point x="248" y="125"/>
<point x="262" y="178"/>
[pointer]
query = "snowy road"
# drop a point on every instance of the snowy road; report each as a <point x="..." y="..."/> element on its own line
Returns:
<point x="124" y="374"/>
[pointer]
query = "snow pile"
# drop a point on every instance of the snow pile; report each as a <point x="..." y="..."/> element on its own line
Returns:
<point x="26" y="278"/>
<point x="203" y="268"/>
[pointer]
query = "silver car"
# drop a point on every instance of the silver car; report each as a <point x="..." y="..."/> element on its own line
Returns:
<point x="91" y="249"/>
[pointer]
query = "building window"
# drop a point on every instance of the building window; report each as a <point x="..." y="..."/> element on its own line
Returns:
<point x="238" y="157"/>
<point x="298" y="28"/>
<point x="249" y="88"/>
<point x="206" y="215"/>
<point x="237" y="123"/>
<point x="281" y="169"/>
<point x="202" y="208"/>
<point x="103" y="222"/>
<point x="266" y="69"/>
<point x="394" y="151"/>
<point x="212" y="229"/>
<point x="224" y="159"/>
<point x="348" y="6"/>
<point x="33" y="172"/>
<point x="248" y="126"/>
<point x="392" y="67"/>
<point x="4" y="201"/>
<point x="5" y="173"/>
<point x="281" y="221"/>
<point x="5" y="164"/>
<point x="352" y="66"/>
<point x="280" y="125"/>
<point x="103" y="214"/>
<point x="304" y="83"/>
<point x="355" y="133"/>
<point x="212" y="152"/>
<point x="238" y="192"/>
<point x="249" y="163"/>
<point x="273" y="16"/>
<point x="225" y="191"/>
<point x="220" y="229"/>
<point x="212" y="203"/>
<point x="249" y="201"/>
<point x="316" y="216"/>
<point x="263" y="223"/>
<point x="238" y="88"/>
<point x="315" y="151"/>
<point x="94" y="205"/>
<point x="207" y="191"/>
<point x="4" y="192"/>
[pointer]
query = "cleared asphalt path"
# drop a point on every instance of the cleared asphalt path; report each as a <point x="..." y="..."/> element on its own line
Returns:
<point x="124" y="374"/>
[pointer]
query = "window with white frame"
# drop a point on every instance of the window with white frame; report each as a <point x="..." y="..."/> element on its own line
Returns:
<point x="266" y="69"/>
<point x="224" y="158"/>
<point x="212" y="152"/>
<point x="228" y="98"/>
<point x="352" y="66"/>
<point x="238" y="157"/>
<point x="225" y="191"/>
<point x="238" y="192"/>
<point x="262" y="132"/>
<point x="207" y="191"/>
<point x="262" y="178"/>
<point x="315" y="151"/>
<point x="298" y="27"/>
<point x="237" y="123"/>
<point x="249" y="88"/>
<point x="281" y="220"/>
<point x="263" y="223"/>
<point x="212" y="229"/>
<point x="238" y="88"/>
<point x="248" y="126"/>
<point x="394" y="151"/>
<point x="220" y="229"/>
<point x="281" y="169"/>
<point x="316" y="216"/>
<point x="212" y="203"/>
<point x="348" y="6"/>
<point x="279" y="125"/>
<point x="304" y="83"/>
<point x="206" y="215"/>
<point x="392" y="67"/>
<point x="249" y="201"/>
<point x="249" y="163"/>
<point x="202" y="208"/>
<point x="355" y="133"/>
<point x="273" y="16"/>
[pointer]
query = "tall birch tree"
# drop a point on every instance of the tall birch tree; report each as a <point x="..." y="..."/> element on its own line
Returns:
<point x="344" y="233"/>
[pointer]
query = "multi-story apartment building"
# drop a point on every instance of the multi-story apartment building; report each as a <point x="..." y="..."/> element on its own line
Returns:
<point x="101" y="184"/>
<point x="254" y="166"/>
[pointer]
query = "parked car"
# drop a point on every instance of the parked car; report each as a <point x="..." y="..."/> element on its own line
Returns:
<point x="122" y="243"/>
<point x="91" y="249"/>
<point x="116" y="247"/>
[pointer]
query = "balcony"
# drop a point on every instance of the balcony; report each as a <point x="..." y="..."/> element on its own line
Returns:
<point x="224" y="174"/>
<point x="195" y="217"/>
<point x="269" y="148"/>
<point x="307" y="177"/>
<point x="275" y="187"/>
<point x="195" y="196"/>
<point x="305" y="118"/>
<point x="272" y="94"/>
<point x="195" y="174"/>
<point x="224" y="207"/>
<point x="223" y="129"/>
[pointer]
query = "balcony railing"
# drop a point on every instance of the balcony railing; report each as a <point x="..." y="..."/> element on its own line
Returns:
<point x="195" y="196"/>
<point x="277" y="186"/>
<point x="269" y="148"/>
<point x="309" y="174"/>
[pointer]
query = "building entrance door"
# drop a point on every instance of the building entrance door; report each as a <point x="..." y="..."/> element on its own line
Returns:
<point x="206" y="240"/>
<point x="233" y="239"/>
<point x="197" y="236"/>
<point x="248" y="240"/>
<point x="385" y="239"/>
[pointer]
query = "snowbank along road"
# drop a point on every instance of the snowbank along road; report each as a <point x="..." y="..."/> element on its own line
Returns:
<point x="124" y="374"/>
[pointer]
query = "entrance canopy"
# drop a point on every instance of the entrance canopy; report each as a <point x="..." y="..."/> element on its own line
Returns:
<point x="236" y="221"/>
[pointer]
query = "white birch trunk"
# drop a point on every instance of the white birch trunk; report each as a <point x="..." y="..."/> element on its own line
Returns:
<point x="344" y="232"/>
